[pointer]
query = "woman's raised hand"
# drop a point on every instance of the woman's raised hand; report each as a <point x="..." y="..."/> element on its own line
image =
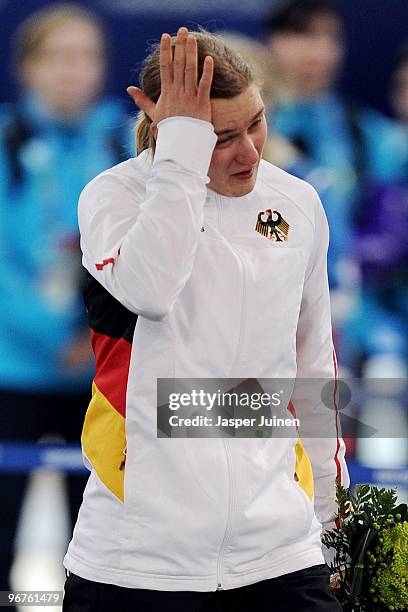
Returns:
<point x="180" y="92"/>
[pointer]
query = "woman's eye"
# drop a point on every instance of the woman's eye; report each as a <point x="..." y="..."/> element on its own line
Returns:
<point x="227" y="141"/>
<point x="223" y="142"/>
<point x="255" y="123"/>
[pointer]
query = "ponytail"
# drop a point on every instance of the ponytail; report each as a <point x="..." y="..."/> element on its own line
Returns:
<point x="143" y="134"/>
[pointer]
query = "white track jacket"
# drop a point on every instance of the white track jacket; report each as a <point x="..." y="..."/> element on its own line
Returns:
<point x="181" y="284"/>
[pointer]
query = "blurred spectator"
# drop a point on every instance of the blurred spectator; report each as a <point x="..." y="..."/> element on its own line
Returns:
<point x="344" y="150"/>
<point x="380" y="323"/>
<point x="53" y="140"/>
<point x="348" y="153"/>
<point x="341" y="145"/>
<point x="377" y="332"/>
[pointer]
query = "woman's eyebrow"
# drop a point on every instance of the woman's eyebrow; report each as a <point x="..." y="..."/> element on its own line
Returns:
<point x="233" y="131"/>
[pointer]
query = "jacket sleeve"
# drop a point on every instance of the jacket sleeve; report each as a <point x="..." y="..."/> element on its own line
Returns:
<point x="139" y="238"/>
<point x="319" y="428"/>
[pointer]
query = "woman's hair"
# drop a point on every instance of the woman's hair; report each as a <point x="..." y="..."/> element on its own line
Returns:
<point x="32" y="32"/>
<point x="401" y="59"/>
<point x="232" y="75"/>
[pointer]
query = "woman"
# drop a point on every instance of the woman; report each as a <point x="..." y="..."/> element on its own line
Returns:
<point x="55" y="138"/>
<point x="182" y="286"/>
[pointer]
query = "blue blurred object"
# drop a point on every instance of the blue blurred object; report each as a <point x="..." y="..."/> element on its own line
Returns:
<point x="22" y="457"/>
<point x="341" y="147"/>
<point x="379" y="322"/>
<point x="381" y="242"/>
<point x="44" y="164"/>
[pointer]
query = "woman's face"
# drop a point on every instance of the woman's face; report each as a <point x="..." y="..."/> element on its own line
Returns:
<point x="241" y="128"/>
<point x="68" y="69"/>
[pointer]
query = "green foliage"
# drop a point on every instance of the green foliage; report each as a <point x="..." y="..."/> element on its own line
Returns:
<point x="371" y="549"/>
<point x="390" y="583"/>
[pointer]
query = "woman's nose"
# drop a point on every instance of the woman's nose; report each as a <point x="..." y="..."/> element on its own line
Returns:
<point x="248" y="153"/>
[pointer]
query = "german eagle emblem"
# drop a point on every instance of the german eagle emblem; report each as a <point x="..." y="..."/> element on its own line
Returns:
<point x="272" y="225"/>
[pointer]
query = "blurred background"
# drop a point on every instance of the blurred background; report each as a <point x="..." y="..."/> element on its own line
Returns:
<point x="335" y="81"/>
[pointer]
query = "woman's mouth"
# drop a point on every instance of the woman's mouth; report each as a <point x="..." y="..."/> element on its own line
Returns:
<point x="246" y="174"/>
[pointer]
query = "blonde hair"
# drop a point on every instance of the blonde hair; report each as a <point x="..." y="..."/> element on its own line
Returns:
<point x="232" y="75"/>
<point x="32" y="32"/>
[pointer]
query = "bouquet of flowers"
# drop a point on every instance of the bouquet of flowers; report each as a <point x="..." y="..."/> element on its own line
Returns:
<point x="370" y="566"/>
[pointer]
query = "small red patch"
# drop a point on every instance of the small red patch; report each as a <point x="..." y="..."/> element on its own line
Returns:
<point x="100" y="266"/>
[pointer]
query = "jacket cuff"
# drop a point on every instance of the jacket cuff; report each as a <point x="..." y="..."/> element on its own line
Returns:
<point x="187" y="141"/>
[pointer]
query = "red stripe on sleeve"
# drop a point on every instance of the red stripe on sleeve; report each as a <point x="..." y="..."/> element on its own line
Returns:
<point x="336" y="458"/>
<point x="100" y="266"/>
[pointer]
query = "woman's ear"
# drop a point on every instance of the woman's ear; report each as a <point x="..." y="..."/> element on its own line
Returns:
<point x="153" y="130"/>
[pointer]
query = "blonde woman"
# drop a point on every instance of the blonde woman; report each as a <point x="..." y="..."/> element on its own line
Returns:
<point x="55" y="137"/>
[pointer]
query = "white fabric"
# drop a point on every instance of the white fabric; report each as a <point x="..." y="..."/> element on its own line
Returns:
<point x="223" y="302"/>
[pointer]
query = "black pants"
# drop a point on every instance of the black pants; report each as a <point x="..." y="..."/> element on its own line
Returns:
<point x="307" y="590"/>
<point x="26" y="417"/>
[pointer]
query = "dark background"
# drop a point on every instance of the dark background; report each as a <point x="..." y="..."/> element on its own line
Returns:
<point x="375" y="30"/>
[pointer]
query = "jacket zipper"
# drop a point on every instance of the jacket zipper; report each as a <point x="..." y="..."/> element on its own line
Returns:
<point x="243" y="297"/>
<point x="220" y="560"/>
<point x="219" y="215"/>
<point x="221" y="552"/>
<point x="243" y="300"/>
